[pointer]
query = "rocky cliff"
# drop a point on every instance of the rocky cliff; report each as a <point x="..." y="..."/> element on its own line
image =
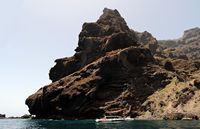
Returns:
<point x="118" y="71"/>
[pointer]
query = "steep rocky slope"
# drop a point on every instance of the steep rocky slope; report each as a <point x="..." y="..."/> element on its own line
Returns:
<point x="116" y="71"/>
<point x="180" y="98"/>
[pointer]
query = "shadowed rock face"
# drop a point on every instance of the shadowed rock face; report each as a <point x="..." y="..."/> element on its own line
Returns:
<point x="113" y="72"/>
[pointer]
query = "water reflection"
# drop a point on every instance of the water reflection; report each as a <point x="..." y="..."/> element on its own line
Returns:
<point x="91" y="124"/>
<point x="139" y="124"/>
<point x="63" y="124"/>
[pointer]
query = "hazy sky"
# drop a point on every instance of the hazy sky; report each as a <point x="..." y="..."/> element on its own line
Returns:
<point x="33" y="33"/>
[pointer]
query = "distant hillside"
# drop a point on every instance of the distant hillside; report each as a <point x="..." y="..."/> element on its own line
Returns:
<point x="186" y="47"/>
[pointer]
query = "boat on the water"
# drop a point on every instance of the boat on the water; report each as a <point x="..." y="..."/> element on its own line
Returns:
<point x="113" y="119"/>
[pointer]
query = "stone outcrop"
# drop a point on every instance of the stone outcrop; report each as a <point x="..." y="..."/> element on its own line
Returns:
<point x="148" y="41"/>
<point x="117" y="71"/>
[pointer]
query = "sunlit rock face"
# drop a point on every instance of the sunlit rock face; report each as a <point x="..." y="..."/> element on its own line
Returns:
<point x="114" y="71"/>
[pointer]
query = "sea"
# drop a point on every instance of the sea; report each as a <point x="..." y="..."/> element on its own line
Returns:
<point x="91" y="124"/>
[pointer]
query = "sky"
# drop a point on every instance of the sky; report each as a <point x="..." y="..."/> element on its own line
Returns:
<point x="33" y="33"/>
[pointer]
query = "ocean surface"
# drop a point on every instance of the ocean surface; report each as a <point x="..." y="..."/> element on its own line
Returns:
<point x="91" y="124"/>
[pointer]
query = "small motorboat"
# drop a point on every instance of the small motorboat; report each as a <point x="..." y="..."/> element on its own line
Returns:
<point x="113" y="119"/>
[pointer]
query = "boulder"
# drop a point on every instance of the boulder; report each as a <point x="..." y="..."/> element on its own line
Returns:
<point x="197" y="83"/>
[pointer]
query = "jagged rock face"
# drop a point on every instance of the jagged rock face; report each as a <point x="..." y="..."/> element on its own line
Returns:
<point x="109" y="33"/>
<point x="112" y="72"/>
<point x="178" y="100"/>
<point x="186" y="47"/>
<point x="148" y="40"/>
<point x="118" y="71"/>
<point x="115" y="84"/>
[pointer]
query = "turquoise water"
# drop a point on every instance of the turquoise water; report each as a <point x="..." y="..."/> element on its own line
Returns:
<point x="91" y="124"/>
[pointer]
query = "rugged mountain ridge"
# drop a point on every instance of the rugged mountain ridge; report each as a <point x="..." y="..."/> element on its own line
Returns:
<point x="186" y="47"/>
<point x="115" y="71"/>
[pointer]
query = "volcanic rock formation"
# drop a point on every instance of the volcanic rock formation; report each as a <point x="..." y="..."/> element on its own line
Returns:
<point x="117" y="71"/>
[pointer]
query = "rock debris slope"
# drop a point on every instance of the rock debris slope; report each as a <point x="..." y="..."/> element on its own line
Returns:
<point x="117" y="71"/>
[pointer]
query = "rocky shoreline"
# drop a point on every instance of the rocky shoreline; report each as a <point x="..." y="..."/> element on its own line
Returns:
<point x="119" y="71"/>
<point x="25" y="116"/>
<point x="2" y="116"/>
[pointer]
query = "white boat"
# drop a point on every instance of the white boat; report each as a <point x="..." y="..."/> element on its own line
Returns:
<point x="113" y="119"/>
